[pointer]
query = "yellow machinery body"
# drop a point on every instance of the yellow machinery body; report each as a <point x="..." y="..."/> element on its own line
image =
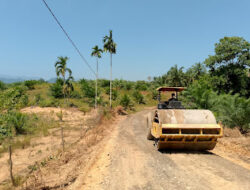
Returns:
<point x="184" y="129"/>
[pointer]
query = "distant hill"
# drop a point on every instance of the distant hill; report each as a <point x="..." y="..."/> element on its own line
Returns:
<point x="52" y="80"/>
<point x="11" y="79"/>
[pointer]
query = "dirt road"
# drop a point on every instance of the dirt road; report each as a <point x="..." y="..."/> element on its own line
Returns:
<point x="129" y="161"/>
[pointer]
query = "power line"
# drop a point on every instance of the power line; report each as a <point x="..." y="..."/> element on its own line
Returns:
<point x="67" y="35"/>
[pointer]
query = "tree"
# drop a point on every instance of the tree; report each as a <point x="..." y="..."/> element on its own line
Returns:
<point x="194" y="73"/>
<point x="97" y="53"/>
<point x="110" y="46"/>
<point x="229" y="65"/>
<point x="175" y="76"/>
<point x="199" y="94"/>
<point x="61" y="69"/>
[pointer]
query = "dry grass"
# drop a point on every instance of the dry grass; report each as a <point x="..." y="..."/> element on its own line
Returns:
<point x="63" y="171"/>
<point x="45" y="164"/>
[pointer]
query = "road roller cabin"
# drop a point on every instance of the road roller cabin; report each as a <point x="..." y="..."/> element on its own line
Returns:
<point x="175" y="128"/>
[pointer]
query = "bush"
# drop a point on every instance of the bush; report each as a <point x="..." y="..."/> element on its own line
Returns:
<point x="154" y="95"/>
<point x="15" y="123"/>
<point x="139" y="98"/>
<point x="18" y="121"/>
<point x="4" y="132"/>
<point x="199" y="95"/>
<point x="13" y="98"/>
<point x="126" y="102"/>
<point x="56" y="89"/>
<point x="2" y="86"/>
<point x="141" y="85"/>
<point x="233" y="111"/>
<point x="49" y="102"/>
<point x="12" y="123"/>
<point x="75" y="94"/>
<point x="128" y="85"/>
<point x="30" y="84"/>
<point x="87" y="89"/>
<point x="114" y="93"/>
<point x="104" y="83"/>
<point x="38" y="98"/>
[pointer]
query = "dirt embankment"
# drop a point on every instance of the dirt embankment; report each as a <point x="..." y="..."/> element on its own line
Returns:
<point x="43" y="164"/>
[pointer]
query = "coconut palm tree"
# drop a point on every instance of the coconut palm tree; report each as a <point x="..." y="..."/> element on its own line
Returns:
<point x="98" y="54"/>
<point x="110" y="46"/>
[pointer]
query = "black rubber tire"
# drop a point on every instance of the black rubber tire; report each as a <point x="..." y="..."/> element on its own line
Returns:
<point x="149" y="125"/>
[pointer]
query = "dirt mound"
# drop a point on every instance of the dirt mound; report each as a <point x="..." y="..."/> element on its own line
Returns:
<point x="234" y="146"/>
<point x="232" y="132"/>
<point x="69" y="114"/>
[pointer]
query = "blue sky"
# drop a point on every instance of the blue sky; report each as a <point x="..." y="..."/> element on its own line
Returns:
<point x="151" y="36"/>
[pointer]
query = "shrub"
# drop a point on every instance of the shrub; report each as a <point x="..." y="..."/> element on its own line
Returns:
<point x="49" y="102"/>
<point x="154" y="95"/>
<point x="199" y="95"/>
<point x="234" y="111"/>
<point x="126" y="102"/>
<point x="18" y="121"/>
<point x="100" y="101"/>
<point x="104" y="83"/>
<point x="2" y="86"/>
<point x="38" y="98"/>
<point x="87" y="89"/>
<point x="30" y="84"/>
<point x="4" y="132"/>
<point x="13" y="98"/>
<point x="128" y="85"/>
<point x="12" y="123"/>
<point x="75" y="94"/>
<point x="139" y="98"/>
<point x="141" y="85"/>
<point x="15" y="123"/>
<point x="114" y="93"/>
<point x="56" y="89"/>
<point x="107" y="91"/>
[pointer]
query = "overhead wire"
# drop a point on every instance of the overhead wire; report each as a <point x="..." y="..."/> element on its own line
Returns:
<point x="69" y="38"/>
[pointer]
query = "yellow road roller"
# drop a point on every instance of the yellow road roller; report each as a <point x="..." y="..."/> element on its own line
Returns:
<point x="175" y="128"/>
